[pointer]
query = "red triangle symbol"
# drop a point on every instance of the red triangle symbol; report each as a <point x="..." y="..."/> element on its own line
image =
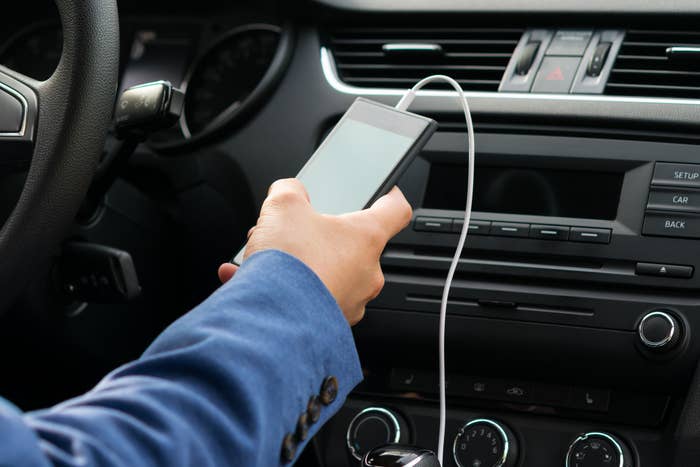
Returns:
<point x="555" y="75"/>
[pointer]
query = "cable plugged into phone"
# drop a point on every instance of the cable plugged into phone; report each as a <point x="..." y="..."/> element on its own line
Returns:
<point x="398" y="456"/>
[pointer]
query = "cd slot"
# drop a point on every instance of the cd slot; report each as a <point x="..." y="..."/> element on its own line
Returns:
<point x="503" y="305"/>
<point x="530" y="268"/>
<point x="510" y="259"/>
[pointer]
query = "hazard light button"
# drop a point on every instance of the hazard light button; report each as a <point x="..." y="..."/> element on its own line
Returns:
<point x="556" y="74"/>
<point x="664" y="270"/>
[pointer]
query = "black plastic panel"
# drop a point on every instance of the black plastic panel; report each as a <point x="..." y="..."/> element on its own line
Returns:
<point x="542" y="441"/>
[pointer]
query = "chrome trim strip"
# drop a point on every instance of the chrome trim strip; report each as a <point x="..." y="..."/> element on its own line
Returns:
<point x="665" y="340"/>
<point x="412" y="47"/>
<point x="382" y="411"/>
<point x="331" y="75"/>
<point x="499" y="429"/>
<point x="606" y="436"/>
<point x="683" y="50"/>
<point x="25" y="107"/>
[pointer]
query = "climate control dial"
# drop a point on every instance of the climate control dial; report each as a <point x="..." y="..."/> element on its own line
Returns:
<point x="597" y="449"/>
<point x="373" y="427"/>
<point x="485" y="443"/>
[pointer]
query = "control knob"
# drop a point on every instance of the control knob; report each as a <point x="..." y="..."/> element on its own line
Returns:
<point x="659" y="331"/>
<point x="485" y="443"/>
<point x="373" y="427"/>
<point x="598" y="449"/>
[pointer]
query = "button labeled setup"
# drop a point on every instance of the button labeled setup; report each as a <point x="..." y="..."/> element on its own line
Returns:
<point x="549" y="232"/>
<point x="508" y="229"/>
<point x="664" y="270"/>
<point x="586" y="235"/>
<point x="432" y="224"/>
<point x="687" y="175"/>
<point x="670" y="225"/>
<point x="475" y="227"/>
<point x="556" y="74"/>
<point x="674" y="200"/>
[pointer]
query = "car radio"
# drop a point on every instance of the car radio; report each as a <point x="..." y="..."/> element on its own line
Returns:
<point x="587" y="211"/>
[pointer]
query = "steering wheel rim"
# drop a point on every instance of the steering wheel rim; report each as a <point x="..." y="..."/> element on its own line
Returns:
<point x="65" y="123"/>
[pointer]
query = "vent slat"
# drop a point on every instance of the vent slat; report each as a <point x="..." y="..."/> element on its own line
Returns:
<point x="476" y="58"/>
<point x="385" y="40"/>
<point x="643" y="69"/>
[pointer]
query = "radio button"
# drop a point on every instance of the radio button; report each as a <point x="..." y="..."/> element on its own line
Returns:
<point x="432" y="224"/>
<point x="508" y="229"/>
<point x="586" y="235"/>
<point x="674" y="200"/>
<point x="677" y="175"/>
<point x="664" y="270"/>
<point x="549" y="232"/>
<point x="475" y="227"/>
<point x="670" y="225"/>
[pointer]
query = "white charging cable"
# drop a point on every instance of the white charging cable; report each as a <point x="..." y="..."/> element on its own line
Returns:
<point x="403" y="104"/>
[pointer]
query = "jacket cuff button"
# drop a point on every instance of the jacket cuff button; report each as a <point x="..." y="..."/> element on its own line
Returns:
<point x="313" y="409"/>
<point x="302" y="430"/>
<point x="289" y="448"/>
<point x="329" y="390"/>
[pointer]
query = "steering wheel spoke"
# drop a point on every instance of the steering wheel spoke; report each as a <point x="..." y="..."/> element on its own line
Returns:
<point x="18" y="116"/>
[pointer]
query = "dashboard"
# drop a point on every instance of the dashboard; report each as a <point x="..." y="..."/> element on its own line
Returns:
<point x="573" y="321"/>
<point x="226" y="65"/>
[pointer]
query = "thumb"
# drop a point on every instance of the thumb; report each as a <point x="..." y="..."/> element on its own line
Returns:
<point x="392" y="211"/>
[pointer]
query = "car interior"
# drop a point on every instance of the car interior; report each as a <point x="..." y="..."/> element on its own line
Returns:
<point x="571" y="317"/>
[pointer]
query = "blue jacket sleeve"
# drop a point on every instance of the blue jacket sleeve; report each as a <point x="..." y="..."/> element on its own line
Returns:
<point x="223" y="385"/>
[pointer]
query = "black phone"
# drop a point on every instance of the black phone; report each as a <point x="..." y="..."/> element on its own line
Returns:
<point x="362" y="158"/>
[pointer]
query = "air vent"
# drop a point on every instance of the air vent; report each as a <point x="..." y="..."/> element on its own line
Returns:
<point x="657" y="64"/>
<point x="398" y="57"/>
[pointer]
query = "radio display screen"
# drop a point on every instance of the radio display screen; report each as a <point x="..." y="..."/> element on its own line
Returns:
<point x="527" y="191"/>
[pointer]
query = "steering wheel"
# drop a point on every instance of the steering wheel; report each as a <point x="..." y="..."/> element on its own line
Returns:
<point x="58" y="127"/>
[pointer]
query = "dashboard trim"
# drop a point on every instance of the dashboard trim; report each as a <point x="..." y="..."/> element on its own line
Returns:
<point x="25" y="107"/>
<point x="513" y="6"/>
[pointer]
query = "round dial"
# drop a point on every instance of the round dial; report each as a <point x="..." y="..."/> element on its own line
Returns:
<point x="227" y="75"/>
<point x="484" y="443"/>
<point x="34" y="52"/>
<point x="373" y="427"/>
<point x="659" y="331"/>
<point x="598" y="450"/>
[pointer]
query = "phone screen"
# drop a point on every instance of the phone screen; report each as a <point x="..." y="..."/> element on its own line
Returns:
<point x="347" y="170"/>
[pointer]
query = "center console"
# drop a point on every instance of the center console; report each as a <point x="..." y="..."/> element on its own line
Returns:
<point x="571" y="318"/>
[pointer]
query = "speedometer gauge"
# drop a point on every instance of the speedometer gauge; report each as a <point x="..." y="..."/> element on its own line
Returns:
<point x="229" y="76"/>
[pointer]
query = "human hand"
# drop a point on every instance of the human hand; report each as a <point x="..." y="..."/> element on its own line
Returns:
<point x="342" y="250"/>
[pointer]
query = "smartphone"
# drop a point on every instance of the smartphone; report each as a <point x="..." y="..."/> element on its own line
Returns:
<point x="362" y="158"/>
